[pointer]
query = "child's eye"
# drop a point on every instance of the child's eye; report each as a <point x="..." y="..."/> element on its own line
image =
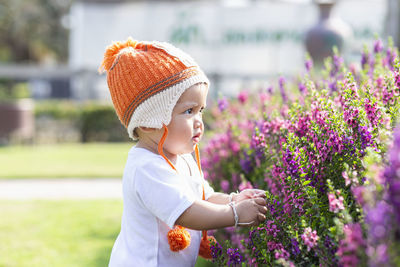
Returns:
<point x="188" y="111"/>
<point x="201" y="110"/>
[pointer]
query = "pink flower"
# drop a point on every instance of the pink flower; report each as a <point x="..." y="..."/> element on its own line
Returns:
<point x="310" y="238"/>
<point x="335" y="204"/>
<point x="263" y="96"/>
<point x="346" y="178"/>
<point x="358" y="194"/>
<point x="282" y="254"/>
<point x="235" y="147"/>
<point x="245" y="185"/>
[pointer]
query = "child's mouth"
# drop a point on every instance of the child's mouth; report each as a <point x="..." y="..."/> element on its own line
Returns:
<point x="196" y="138"/>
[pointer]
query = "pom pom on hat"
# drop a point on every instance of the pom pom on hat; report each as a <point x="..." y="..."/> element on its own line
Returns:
<point x="112" y="52"/>
<point x="178" y="238"/>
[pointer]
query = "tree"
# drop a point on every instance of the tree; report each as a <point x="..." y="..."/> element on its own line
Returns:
<point x="32" y="31"/>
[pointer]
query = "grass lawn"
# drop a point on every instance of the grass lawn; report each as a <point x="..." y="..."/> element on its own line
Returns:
<point x="60" y="233"/>
<point x="64" y="160"/>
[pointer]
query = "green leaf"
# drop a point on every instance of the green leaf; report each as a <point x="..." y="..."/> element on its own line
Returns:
<point x="306" y="183"/>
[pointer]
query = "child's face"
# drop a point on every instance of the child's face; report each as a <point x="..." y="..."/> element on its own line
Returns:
<point x="186" y="127"/>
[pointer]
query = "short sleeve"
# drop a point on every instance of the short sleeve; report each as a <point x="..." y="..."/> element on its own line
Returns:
<point x="208" y="190"/>
<point x="162" y="191"/>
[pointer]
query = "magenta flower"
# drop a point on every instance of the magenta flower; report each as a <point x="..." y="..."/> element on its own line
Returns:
<point x="225" y="186"/>
<point x="373" y="113"/>
<point x="243" y="96"/>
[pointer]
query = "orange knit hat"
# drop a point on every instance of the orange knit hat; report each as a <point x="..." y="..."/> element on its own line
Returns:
<point x="146" y="80"/>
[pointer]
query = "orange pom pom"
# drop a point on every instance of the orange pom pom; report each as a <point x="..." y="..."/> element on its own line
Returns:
<point x="178" y="238"/>
<point x="205" y="249"/>
<point x="112" y="52"/>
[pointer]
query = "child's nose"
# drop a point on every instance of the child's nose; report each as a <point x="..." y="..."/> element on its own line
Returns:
<point x="198" y="122"/>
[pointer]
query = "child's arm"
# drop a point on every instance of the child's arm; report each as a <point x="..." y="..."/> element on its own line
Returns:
<point x="203" y="215"/>
<point x="221" y="198"/>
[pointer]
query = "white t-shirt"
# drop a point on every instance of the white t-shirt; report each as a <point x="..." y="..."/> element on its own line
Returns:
<point x="154" y="197"/>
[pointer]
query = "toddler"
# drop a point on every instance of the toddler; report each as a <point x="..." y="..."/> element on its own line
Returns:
<point x="159" y="94"/>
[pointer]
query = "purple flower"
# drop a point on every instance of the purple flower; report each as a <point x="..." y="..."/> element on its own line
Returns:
<point x="246" y="163"/>
<point x="234" y="257"/>
<point x="365" y="136"/>
<point x="216" y="250"/>
<point x="378" y="219"/>
<point x="391" y="56"/>
<point x="223" y="104"/>
<point x="378" y="46"/>
<point x="337" y="65"/>
<point x="292" y="162"/>
<point x="365" y="58"/>
<point x="331" y="246"/>
<point x="392" y="175"/>
<point x="308" y="64"/>
<point x="282" y="82"/>
<point x="302" y="88"/>
<point x="295" y="247"/>
<point x="333" y="86"/>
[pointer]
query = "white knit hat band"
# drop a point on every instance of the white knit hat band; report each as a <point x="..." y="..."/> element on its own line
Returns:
<point x="157" y="109"/>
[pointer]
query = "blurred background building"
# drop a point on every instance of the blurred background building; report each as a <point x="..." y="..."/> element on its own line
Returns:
<point x="54" y="47"/>
<point x="239" y="43"/>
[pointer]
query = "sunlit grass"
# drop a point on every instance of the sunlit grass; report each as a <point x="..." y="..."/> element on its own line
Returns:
<point x="64" y="160"/>
<point x="58" y="233"/>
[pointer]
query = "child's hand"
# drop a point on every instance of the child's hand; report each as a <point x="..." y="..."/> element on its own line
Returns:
<point x="248" y="194"/>
<point x="251" y="212"/>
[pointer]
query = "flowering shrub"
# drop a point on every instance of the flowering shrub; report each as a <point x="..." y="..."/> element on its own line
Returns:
<point x="311" y="151"/>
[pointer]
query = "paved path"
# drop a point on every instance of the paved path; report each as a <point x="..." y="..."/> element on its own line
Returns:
<point x="70" y="188"/>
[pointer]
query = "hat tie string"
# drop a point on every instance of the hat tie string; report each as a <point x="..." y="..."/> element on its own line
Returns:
<point x="179" y="238"/>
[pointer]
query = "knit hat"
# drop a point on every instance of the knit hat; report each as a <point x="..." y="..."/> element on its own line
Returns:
<point x="146" y="79"/>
